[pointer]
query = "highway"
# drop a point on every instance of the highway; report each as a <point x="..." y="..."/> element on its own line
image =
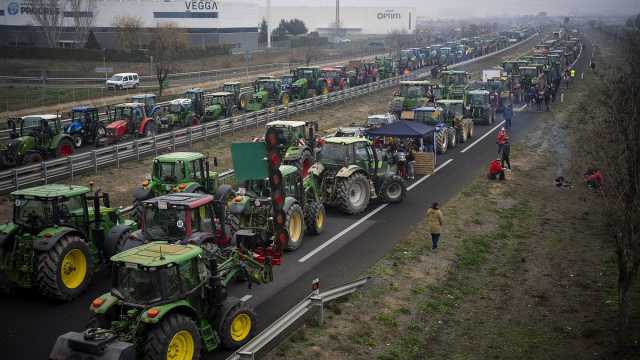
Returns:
<point x="349" y="246"/>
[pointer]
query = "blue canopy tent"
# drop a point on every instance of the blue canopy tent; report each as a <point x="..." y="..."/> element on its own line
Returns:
<point x="407" y="129"/>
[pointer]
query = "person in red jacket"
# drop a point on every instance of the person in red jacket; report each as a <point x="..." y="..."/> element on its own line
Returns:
<point x="593" y="179"/>
<point x="496" y="171"/>
<point x="501" y="139"/>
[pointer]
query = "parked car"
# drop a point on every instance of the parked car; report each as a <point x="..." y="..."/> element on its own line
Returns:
<point x="123" y="81"/>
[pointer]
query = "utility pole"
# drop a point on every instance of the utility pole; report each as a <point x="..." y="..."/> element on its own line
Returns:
<point x="337" y="18"/>
<point x="268" y="24"/>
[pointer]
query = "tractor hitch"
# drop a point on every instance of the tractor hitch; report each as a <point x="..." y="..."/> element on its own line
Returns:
<point x="98" y="344"/>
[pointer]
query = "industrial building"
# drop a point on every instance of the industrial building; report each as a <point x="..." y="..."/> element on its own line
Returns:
<point x="207" y="22"/>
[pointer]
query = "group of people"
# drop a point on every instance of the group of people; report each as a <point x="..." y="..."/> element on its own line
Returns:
<point x="403" y="154"/>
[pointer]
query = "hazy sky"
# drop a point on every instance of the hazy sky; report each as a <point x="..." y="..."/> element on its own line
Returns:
<point x="468" y="8"/>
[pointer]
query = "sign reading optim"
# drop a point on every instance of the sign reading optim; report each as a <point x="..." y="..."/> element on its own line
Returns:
<point x="389" y="15"/>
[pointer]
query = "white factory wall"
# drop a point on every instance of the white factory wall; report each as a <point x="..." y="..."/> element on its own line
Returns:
<point x="372" y="20"/>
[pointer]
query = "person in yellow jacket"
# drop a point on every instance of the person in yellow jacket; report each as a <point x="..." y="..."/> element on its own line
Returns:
<point x="434" y="220"/>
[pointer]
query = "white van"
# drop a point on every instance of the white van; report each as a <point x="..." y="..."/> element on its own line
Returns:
<point x="123" y="81"/>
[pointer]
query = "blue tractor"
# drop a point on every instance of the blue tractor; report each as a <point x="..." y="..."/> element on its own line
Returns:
<point x="85" y="126"/>
<point x="151" y="106"/>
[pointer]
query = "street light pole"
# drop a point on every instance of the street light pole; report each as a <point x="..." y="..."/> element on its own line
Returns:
<point x="268" y="24"/>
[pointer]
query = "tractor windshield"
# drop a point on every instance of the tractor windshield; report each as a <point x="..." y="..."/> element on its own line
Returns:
<point x="411" y="91"/>
<point x="229" y="88"/>
<point x="477" y="99"/>
<point x="331" y="74"/>
<point x="336" y="154"/>
<point x="164" y="225"/>
<point x="268" y="86"/>
<point x="217" y="100"/>
<point x="427" y="117"/>
<point x="33" y="213"/>
<point x="137" y="286"/>
<point x="123" y="113"/>
<point x="169" y="172"/>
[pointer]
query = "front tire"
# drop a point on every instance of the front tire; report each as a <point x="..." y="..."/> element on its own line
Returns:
<point x="315" y="219"/>
<point x="237" y="327"/>
<point x="64" y="148"/>
<point x="176" y="336"/>
<point x="353" y="194"/>
<point x="393" y="189"/>
<point x="77" y="141"/>
<point x="295" y="226"/>
<point x="65" y="271"/>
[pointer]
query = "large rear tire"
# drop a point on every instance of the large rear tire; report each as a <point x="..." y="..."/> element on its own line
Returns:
<point x="315" y="219"/>
<point x="65" y="271"/>
<point x="295" y="226"/>
<point x="64" y="148"/>
<point x="353" y="194"/>
<point x="176" y="336"/>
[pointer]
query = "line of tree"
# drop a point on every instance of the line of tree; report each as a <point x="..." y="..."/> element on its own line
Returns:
<point x="83" y="14"/>
<point x="609" y="139"/>
<point x="286" y="28"/>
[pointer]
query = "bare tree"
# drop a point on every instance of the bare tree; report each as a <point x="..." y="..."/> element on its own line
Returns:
<point x="49" y="15"/>
<point x="167" y="40"/>
<point x="311" y="53"/>
<point x="129" y="29"/>
<point x="609" y="139"/>
<point x="84" y="13"/>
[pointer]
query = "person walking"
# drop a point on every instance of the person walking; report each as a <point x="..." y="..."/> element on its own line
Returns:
<point x="434" y="220"/>
<point x="411" y="161"/>
<point x="506" y="151"/>
<point x="508" y="116"/>
<point x="500" y="139"/>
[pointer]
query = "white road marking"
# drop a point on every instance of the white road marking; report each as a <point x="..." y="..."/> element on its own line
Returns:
<point x="482" y="137"/>
<point x="521" y="108"/>
<point x="366" y="217"/>
<point x="409" y="188"/>
<point x="341" y="233"/>
<point x="246" y="298"/>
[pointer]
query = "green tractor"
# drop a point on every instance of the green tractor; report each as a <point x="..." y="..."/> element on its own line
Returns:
<point x="453" y="116"/>
<point x="454" y="84"/>
<point x="220" y="104"/>
<point x="178" y="113"/>
<point x="167" y="301"/>
<point x="176" y="172"/>
<point x="412" y="94"/>
<point x="309" y="78"/>
<point x="302" y="205"/>
<point x="385" y="67"/>
<point x="58" y="235"/>
<point x="268" y="93"/>
<point x="33" y="139"/>
<point x="479" y="107"/>
<point x="297" y="139"/>
<point x="352" y="172"/>
<point x="241" y="96"/>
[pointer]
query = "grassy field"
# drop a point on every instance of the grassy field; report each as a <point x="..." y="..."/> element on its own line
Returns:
<point x="525" y="270"/>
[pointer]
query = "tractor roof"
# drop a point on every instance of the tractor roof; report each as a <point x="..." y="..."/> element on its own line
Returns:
<point x="288" y="169"/>
<point x="428" y="109"/>
<point x="190" y="200"/>
<point x="179" y="156"/>
<point x="84" y="108"/>
<point x="308" y="68"/>
<point x="454" y="72"/>
<point x="232" y="83"/>
<point x="195" y="90"/>
<point x="329" y="68"/>
<point x="222" y="93"/>
<point x="479" y="92"/>
<point x="52" y="191"/>
<point x="130" y="105"/>
<point x="44" y="116"/>
<point x="416" y="82"/>
<point x="449" y="101"/>
<point x="285" y="123"/>
<point x="528" y="67"/>
<point x="268" y="80"/>
<point x="143" y="96"/>
<point x="347" y="140"/>
<point x="158" y="254"/>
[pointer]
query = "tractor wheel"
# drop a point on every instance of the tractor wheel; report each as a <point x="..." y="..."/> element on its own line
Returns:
<point x="393" y="189"/>
<point x="305" y="163"/>
<point x="461" y="135"/>
<point x="176" y="336"/>
<point x="77" y="141"/>
<point x="7" y="160"/>
<point x="64" y="148"/>
<point x="353" y="194"/>
<point x="137" y="211"/>
<point x="237" y="327"/>
<point x="315" y="218"/>
<point x="66" y="269"/>
<point x="150" y="130"/>
<point x="295" y="226"/>
<point x="453" y="141"/>
<point x="101" y="133"/>
<point x="443" y="144"/>
<point x="243" y="102"/>
<point x="33" y="157"/>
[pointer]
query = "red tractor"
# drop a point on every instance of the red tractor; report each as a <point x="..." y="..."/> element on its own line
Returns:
<point x="335" y="79"/>
<point x="129" y="119"/>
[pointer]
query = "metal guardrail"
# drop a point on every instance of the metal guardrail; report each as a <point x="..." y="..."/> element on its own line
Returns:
<point x="112" y="155"/>
<point x="316" y="299"/>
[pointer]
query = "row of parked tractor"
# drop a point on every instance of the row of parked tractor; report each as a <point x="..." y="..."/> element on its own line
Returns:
<point x="35" y="138"/>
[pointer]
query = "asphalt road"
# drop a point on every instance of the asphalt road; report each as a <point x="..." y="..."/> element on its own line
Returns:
<point x="30" y="323"/>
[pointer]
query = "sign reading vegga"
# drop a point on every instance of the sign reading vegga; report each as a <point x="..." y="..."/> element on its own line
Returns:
<point x="201" y="5"/>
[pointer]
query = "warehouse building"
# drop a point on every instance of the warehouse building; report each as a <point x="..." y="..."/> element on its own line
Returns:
<point x="207" y="22"/>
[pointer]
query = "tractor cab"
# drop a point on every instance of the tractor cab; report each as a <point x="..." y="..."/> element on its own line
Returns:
<point x="268" y="91"/>
<point x="232" y="87"/>
<point x="219" y="104"/>
<point x="428" y="115"/>
<point x="196" y="95"/>
<point x="184" y="218"/>
<point x="454" y="78"/>
<point x="309" y="73"/>
<point x="478" y="98"/>
<point x="149" y="101"/>
<point x="181" y="172"/>
<point x="287" y="81"/>
<point x="85" y="126"/>
<point x="41" y="127"/>
<point x="452" y="110"/>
